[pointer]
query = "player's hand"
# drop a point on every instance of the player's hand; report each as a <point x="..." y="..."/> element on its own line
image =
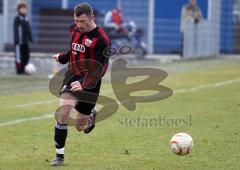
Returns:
<point x="55" y="57"/>
<point x="76" y="86"/>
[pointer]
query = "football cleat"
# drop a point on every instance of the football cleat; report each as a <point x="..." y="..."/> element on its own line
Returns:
<point x="91" y="122"/>
<point x="57" y="161"/>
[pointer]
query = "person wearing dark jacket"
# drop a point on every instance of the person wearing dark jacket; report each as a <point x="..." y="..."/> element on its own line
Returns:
<point x="22" y="37"/>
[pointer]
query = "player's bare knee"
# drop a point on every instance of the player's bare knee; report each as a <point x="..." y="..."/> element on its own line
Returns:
<point x="62" y="120"/>
<point x="67" y="100"/>
<point x="79" y="128"/>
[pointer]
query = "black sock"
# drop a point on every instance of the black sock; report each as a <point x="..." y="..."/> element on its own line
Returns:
<point x="60" y="155"/>
<point x="60" y="137"/>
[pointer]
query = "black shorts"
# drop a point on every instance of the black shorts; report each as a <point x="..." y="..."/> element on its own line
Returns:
<point x="87" y="98"/>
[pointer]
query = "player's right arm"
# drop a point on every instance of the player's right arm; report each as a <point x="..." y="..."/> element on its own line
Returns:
<point x="62" y="58"/>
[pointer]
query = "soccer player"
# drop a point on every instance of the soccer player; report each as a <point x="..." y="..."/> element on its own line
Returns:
<point x="22" y="37"/>
<point x="88" y="41"/>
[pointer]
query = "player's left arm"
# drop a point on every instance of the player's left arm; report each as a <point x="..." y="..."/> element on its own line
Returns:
<point x="100" y="68"/>
<point x="30" y="32"/>
<point x="102" y="57"/>
<point x="102" y="54"/>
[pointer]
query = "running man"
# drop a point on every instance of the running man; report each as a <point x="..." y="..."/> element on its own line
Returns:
<point x="88" y="42"/>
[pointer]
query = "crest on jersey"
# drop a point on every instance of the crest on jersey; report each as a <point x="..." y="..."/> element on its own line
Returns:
<point x="88" y="43"/>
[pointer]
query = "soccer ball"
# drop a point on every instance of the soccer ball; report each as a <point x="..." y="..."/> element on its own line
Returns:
<point x="30" y="68"/>
<point x="181" y="144"/>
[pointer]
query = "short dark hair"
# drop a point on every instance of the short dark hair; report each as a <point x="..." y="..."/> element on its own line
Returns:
<point x="83" y="8"/>
<point x="21" y="5"/>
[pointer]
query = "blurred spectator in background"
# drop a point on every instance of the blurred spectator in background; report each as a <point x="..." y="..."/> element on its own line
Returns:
<point x="113" y="19"/>
<point x="190" y="13"/>
<point x="22" y="37"/>
<point x="122" y="32"/>
<point x="236" y="11"/>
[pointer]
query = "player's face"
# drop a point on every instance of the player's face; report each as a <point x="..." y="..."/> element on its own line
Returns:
<point x="23" y="10"/>
<point x="84" y="22"/>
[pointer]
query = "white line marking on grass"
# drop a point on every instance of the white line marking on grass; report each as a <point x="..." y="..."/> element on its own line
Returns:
<point x="218" y="84"/>
<point x="26" y="120"/>
<point x="49" y="101"/>
<point x="214" y="85"/>
<point x="37" y="103"/>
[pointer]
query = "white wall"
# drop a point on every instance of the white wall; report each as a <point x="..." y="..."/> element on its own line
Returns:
<point x="203" y="39"/>
<point x="1" y="33"/>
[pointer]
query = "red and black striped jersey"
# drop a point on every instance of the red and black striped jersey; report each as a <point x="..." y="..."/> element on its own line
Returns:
<point x="86" y="46"/>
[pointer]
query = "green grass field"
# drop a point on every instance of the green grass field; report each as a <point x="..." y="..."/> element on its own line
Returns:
<point x="207" y="90"/>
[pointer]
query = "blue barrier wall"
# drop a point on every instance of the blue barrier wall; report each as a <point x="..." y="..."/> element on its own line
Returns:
<point x="172" y="9"/>
<point x="167" y="14"/>
<point x="227" y="26"/>
<point x="136" y="10"/>
<point x="102" y="5"/>
<point x="36" y="5"/>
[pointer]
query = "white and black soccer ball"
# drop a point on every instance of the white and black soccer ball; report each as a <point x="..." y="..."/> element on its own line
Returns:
<point x="181" y="144"/>
<point x="30" y="69"/>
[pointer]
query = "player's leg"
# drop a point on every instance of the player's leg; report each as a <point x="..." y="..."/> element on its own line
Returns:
<point x="87" y="108"/>
<point x="18" y="59"/>
<point x="81" y="121"/>
<point x="85" y="119"/>
<point x="91" y="121"/>
<point x="67" y="103"/>
<point x="26" y="56"/>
